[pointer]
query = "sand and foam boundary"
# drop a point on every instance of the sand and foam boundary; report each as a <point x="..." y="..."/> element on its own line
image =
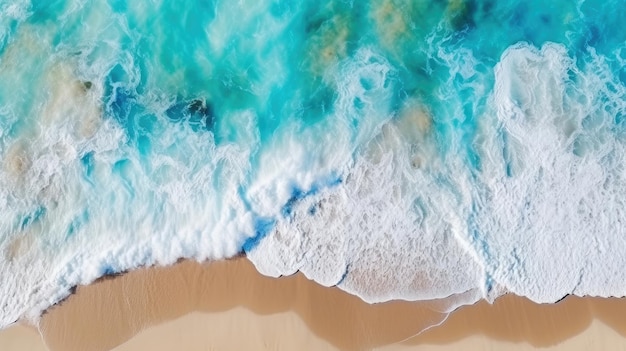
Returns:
<point x="228" y="299"/>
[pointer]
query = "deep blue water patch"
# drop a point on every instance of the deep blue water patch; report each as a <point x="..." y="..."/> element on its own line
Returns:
<point x="262" y="227"/>
<point x="198" y="113"/>
<point x="298" y="194"/>
<point x="120" y="102"/>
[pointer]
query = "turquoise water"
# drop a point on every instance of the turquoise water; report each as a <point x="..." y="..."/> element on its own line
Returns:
<point x="397" y="149"/>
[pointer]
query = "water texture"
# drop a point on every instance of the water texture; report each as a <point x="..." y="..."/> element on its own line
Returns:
<point x="397" y="149"/>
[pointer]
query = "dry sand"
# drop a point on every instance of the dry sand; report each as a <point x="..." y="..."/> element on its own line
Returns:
<point x="229" y="306"/>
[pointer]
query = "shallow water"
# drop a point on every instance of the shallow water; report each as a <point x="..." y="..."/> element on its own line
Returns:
<point x="399" y="150"/>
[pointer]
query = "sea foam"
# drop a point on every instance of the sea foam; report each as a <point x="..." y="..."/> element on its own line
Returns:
<point x="398" y="152"/>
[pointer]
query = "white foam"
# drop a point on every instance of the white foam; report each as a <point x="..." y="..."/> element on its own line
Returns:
<point x="542" y="219"/>
<point x="553" y="226"/>
<point x="40" y="170"/>
<point x="388" y="230"/>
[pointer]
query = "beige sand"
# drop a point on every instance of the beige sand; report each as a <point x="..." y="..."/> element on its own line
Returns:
<point x="286" y="332"/>
<point x="229" y="306"/>
<point x="21" y="338"/>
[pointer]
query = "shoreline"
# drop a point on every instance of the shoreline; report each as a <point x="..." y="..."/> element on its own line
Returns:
<point x="116" y="310"/>
<point x="129" y="303"/>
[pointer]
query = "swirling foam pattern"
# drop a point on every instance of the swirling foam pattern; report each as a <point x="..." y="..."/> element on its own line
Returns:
<point x="397" y="149"/>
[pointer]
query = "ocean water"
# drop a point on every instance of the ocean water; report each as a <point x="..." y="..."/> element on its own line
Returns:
<point x="397" y="149"/>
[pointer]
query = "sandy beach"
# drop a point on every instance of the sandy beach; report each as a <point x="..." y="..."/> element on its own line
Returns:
<point x="229" y="306"/>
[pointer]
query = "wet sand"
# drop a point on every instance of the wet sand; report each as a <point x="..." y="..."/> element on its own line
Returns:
<point x="228" y="306"/>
